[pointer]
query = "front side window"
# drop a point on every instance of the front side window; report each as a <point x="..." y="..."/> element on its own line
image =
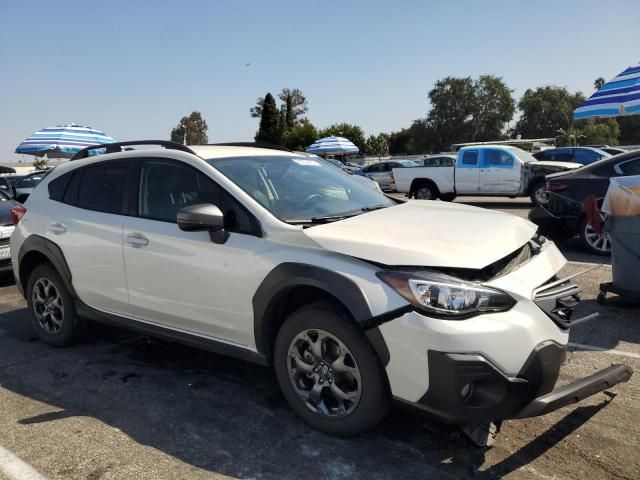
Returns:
<point x="300" y="190"/>
<point x="102" y="187"/>
<point x="167" y="186"/>
<point x="630" y="167"/>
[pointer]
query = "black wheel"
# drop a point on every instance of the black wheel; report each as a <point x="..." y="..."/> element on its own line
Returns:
<point x="597" y="243"/>
<point x="53" y="314"/>
<point x="329" y="373"/>
<point x="425" y="191"/>
<point x="601" y="298"/>
<point x="538" y="194"/>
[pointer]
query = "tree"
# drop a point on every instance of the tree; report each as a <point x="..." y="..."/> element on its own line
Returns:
<point x="295" y="105"/>
<point x="195" y="128"/>
<point x="629" y="130"/>
<point x="598" y="83"/>
<point x="494" y="107"/>
<point x="40" y="163"/>
<point x="348" y="131"/>
<point x="452" y="105"/>
<point x="546" y="110"/>
<point x="601" y="131"/>
<point x="256" y="111"/>
<point x="417" y="139"/>
<point x="377" y="145"/>
<point x="269" y="131"/>
<point x="300" y="136"/>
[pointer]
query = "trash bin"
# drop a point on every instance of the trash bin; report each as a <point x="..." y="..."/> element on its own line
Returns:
<point x="624" y="233"/>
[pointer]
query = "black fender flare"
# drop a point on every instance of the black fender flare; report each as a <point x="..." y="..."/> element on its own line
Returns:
<point x="53" y="253"/>
<point x="289" y="275"/>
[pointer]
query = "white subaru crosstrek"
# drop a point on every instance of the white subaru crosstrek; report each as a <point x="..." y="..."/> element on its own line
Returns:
<point x="354" y="297"/>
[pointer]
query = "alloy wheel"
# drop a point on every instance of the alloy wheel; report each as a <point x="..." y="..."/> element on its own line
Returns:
<point x="599" y="242"/>
<point x="324" y="373"/>
<point x="47" y="305"/>
<point x="541" y="196"/>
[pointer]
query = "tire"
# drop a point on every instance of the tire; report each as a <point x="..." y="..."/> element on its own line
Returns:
<point x="425" y="191"/>
<point x="59" y="325"/>
<point x="538" y="194"/>
<point x="365" y="382"/>
<point x="448" y="197"/>
<point x="592" y="242"/>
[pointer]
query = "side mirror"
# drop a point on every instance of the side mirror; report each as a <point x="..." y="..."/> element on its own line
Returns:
<point x="203" y="216"/>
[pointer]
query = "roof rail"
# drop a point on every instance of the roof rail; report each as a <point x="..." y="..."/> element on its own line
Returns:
<point x="270" y="146"/>
<point x="117" y="147"/>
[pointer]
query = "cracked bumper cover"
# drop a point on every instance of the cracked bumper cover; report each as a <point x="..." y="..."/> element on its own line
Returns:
<point x="469" y="388"/>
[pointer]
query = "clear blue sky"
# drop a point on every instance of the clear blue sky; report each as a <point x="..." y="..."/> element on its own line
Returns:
<point x="133" y="68"/>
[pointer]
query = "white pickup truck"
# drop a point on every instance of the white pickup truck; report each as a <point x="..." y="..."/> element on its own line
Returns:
<point x="482" y="170"/>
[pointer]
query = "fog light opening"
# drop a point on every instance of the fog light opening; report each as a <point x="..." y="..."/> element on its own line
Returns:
<point x="466" y="391"/>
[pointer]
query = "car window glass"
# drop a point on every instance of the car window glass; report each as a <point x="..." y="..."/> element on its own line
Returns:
<point x="30" y="182"/>
<point x="376" y="168"/>
<point x="166" y="187"/>
<point x="58" y="186"/>
<point x="497" y="158"/>
<point x="630" y="167"/>
<point x="470" y="158"/>
<point x="103" y="187"/>
<point x="585" y="157"/>
<point x="71" y="193"/>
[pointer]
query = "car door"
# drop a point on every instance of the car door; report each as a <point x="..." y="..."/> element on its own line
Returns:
<point x="379" y="173"/>
<point x="86" y="221"/>
<point x="467" y="172"/>
<point x="182" y="280"/>
<point x="499" y="172"/>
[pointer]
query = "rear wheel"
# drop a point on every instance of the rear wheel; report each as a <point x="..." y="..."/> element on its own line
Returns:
<point x="598" y="243"/>
<point x="51" y="308"/>
<point x="425" y="191"/>
<point x="329" y="373"/>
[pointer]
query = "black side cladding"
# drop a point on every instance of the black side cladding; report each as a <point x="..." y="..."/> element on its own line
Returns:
<point x="287" y="276"/>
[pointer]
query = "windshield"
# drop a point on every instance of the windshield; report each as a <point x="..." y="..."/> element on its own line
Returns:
<point x="408" y="163"/>
<point x="300" y="189"/>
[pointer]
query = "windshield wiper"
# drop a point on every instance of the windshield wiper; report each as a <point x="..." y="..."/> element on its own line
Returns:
<point x="342" y="216"/>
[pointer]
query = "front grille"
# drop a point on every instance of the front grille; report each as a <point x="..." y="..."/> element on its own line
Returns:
<point x="558" y="299"/>
<point x="5" y="241"/>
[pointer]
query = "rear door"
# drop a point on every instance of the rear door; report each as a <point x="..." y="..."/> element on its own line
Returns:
<point x="467" y="172"/>
<point x="380" y="173"/>
<point x="86" y="221"/>
<point x="499" y="172"/>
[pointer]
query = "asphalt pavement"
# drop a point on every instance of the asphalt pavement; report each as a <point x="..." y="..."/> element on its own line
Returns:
<point x="122" y="406"/>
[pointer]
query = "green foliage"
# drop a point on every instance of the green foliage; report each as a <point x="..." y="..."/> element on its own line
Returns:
<point x="464" y="110"/>
<point x="546" y="111"/>
<point x="295" y="104"/>
<point x="377" y="145"/>
<point x="346" y="130"/>
<point x="195" y="127"/>
<point x="269" y="131"/>
<point x="300" y="136"/>
<point x="598" y="83"/>
<point x="629" y="130"/>
<point x="40" y="162"/>
<point x="601" y="131"/>
<point x="417" y="139"/>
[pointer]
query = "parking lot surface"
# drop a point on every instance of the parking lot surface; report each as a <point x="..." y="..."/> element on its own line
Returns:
<point x="121" y="406"/>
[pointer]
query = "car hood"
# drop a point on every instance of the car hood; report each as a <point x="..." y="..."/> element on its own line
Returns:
<point x="426" y="233"/>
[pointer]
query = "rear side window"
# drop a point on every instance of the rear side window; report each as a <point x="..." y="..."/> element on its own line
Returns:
<point x="585" y="157"/>
<point x="630" y="167"/>
<point x="470" y="158"/>
<point x="103" y="186"/>
<point x="58" y="186"/>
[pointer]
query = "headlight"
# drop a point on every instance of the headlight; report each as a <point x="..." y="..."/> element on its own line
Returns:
<point x="444" y="296"/>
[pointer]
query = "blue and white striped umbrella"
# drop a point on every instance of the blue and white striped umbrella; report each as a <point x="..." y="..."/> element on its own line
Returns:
<point x="333" y="146"/>
<point x="619" y="96"/>
<point x="63" y="141"/>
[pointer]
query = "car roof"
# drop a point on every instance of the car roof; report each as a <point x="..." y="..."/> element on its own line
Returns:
<point x="222" y="151"/>
<point x="609" y="159"/>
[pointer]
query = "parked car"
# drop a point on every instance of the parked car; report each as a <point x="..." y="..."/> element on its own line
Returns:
<point x="563" y="216"/>
<point x="609" y="150"/>
<point x="448" y="160"/>
<point x="341" y="165"/>
<point x="22" y="188"/>
<point x="581" y="155"/>
<point x="6" y="229"/>
<point x="6" y="181"/>
<point x="481" y="170"/>
<point x="352" y="297"/>
<point x="381" y="172"/>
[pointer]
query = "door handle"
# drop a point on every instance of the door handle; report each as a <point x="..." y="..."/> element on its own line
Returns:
<point x="137" y="240"/>
<point x="57" y="228"/>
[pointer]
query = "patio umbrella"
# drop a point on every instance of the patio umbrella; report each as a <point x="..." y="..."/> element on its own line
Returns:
<point x="62" y="141"/>
<point x="619" y="96"/>
<point x="333" y="146"/>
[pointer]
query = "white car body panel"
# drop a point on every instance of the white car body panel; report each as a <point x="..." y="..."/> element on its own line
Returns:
<point x="442" y="176"/>
<point x="413" y="235"/>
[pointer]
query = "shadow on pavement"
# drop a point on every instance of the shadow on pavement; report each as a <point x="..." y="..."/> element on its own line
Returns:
<point x="618" y="321"/>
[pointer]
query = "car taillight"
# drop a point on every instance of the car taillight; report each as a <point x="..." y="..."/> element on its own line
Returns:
<point x="17" y="213"/>
<point x="556" y="187"/>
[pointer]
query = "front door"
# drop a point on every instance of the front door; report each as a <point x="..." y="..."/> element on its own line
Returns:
<point x="499" y="172"/>
<point x="182" y="279"/>
<point x="467" y="173"/>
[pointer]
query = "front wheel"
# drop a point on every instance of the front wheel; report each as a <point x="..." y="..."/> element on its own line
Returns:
<point x="598" y="243"/>
<point x="329" y="373"/>
<point x="539" y="194"/>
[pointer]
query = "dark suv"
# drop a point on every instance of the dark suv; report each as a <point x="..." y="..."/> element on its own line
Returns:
<point x="563" y="216"/>
<point x="581" y="155"/>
